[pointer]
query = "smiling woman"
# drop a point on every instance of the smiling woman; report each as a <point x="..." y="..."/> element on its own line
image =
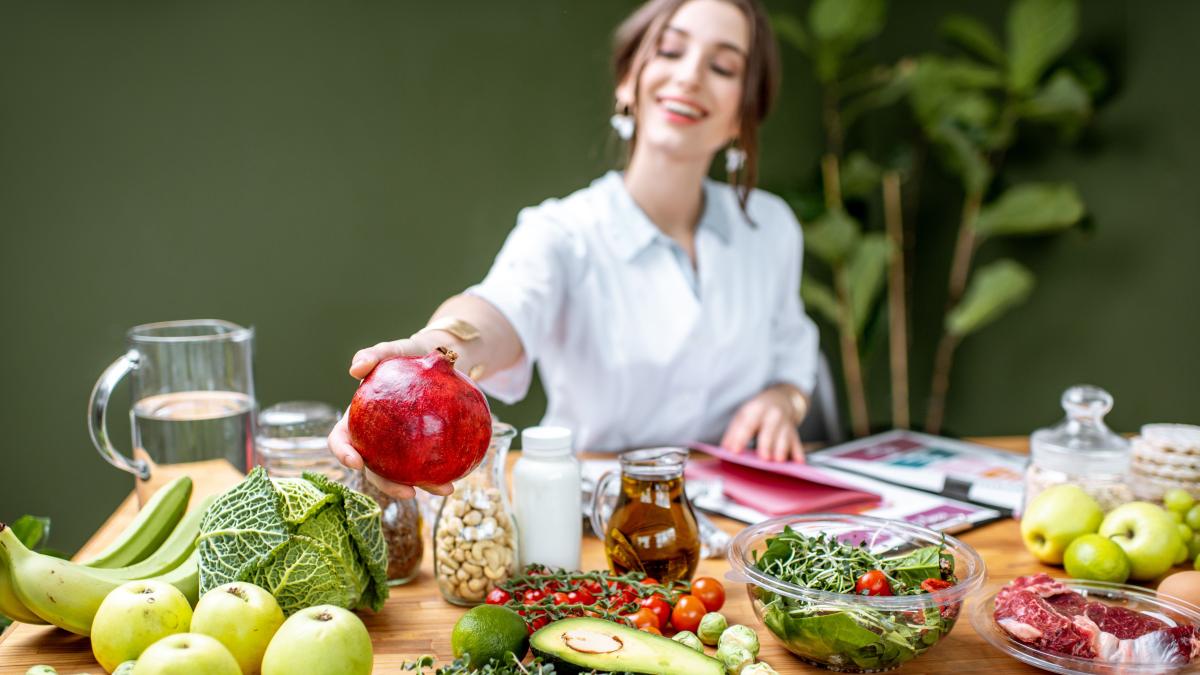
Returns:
<point x="661" y="307"/>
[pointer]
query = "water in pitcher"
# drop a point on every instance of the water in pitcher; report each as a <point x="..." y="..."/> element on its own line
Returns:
<point x="193" y="426"/>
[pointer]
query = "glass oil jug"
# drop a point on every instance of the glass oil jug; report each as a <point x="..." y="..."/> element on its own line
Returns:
<point x="652" y="528"/>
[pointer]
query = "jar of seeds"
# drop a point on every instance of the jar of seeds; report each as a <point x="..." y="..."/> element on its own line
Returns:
<point x="475" y="536"/>
<point x="401" y="521"/>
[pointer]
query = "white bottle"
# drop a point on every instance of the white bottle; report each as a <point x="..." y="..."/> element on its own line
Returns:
<point x="546" y="489"/>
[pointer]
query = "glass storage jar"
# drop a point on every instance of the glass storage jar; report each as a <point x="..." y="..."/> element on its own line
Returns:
<point x="475" y="536"/>
<point x="292" y="437"/>
<point x="1081" y="450"/>
<point x="402" y="531"/>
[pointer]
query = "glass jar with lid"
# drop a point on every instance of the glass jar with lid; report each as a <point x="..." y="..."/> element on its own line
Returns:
<point x="1081" y="450"/>
<point x="475" y="535"/>
<point x="293" y="437"/>
<point x="402" y="530"/>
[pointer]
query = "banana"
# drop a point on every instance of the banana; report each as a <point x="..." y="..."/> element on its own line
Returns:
<point x="67" y="594"/>
<point x="172" y="553"/>
<point x="148" y="530"/>
<point x="10" y="605"/>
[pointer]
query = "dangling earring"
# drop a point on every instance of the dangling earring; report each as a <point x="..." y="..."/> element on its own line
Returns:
<point x="735" y="158"/>
<point x="622" y="122"/>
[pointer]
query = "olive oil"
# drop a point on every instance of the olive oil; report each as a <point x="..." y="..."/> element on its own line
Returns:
<point x="653" y="530"/>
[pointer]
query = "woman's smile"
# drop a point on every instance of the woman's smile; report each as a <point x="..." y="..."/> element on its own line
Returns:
<point x="679" y="110"/>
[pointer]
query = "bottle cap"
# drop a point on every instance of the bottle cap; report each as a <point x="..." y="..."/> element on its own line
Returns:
<point x="546" y="441"/>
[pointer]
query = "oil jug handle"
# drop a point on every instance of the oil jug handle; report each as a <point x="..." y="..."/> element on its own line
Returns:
<point x="599" y="520"/>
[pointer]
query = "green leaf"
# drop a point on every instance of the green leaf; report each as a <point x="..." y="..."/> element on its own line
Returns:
<point x="865" y="276"/>
<point x="817" y="296"/>
<point x="1031" y="208"/>
<point x="833" y="236"/>
<point x="31" y="530"/>
<point x="847" y="22"/>
<point x="939" y="84"/>
<point x="891" y="89"/>
<point x="964" y="157"/>
<point x="791" y="31"/>
<point x="1063" y="99"/>
<point x="971" y="34"/>
<point x="859" y="175"/>
<point x="1039" y="31"/>
<point x="994" y="289"/>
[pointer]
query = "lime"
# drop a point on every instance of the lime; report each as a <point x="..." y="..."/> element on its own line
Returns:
<point x="1095" y="557"/>
<point x="1192" y="519"/>
<point x="490" y="632"/>
<point x="1178" y="500"/>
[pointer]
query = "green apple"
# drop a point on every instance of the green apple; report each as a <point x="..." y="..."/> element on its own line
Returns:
<point x="1055" y="518"/>
<point x="1178" y="500"/>
<point x="125" y="668"/>
<point x="1192" y="519"/>
<point x="187" y="654"/>
<point x="1098" y="558"/>
<point x="134" y="616"/>
<point x="1147" y="534"/>
<point x="1181" y="554"/>
<point x="1194" y="545"/>
<point x="1175" y="516"/>
<point x="321" y="640"/>
<point x="241" y="616"/>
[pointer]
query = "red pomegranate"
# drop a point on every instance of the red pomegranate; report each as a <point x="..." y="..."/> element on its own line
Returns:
<point x="418" y="421"/>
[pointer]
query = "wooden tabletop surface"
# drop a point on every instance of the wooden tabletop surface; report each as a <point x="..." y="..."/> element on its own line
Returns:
<point x="417" y="621"/>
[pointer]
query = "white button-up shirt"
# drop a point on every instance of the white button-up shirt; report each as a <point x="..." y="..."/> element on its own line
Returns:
<point x="634" y="346"/>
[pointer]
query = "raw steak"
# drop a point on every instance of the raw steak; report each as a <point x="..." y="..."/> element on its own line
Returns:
<point x="1045" y="613"/>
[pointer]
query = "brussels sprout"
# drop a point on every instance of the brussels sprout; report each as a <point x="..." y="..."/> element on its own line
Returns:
<point x="41" y="670"/>
<point x="759" y="668"/>
<point x="740" y="636"/>
<point x="711" y="627"/>
<point x="689" y="638"/>
<point x="734" y="658"/>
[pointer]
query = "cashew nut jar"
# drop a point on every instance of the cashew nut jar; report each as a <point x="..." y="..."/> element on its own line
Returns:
<point x="475" y="537"/>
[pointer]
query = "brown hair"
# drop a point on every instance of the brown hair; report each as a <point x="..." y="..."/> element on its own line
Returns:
<point x="637" y="38"/>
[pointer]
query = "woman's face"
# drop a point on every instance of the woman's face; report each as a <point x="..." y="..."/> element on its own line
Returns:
<point x="690" y="90"/>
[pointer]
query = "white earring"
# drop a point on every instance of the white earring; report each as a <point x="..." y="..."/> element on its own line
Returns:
<point x="622" y="122"/>
<point x="735" y="159"/>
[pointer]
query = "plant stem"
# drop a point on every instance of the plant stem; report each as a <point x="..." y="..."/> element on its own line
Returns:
<point x="941" y="382"/>
<point x="960" y="270"/>
<point x="831" y="177"/>
<point x="851" y="367"/>
<point x="897" y="309"/>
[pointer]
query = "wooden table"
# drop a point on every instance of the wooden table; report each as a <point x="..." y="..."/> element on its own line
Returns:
<point x="417" y="621"/>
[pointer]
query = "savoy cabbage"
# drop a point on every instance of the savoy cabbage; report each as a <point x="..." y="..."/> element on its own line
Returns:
<point x="308" y="541"/>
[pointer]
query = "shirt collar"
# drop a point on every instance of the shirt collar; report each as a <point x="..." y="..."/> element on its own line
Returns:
<point x="631" y="231"/>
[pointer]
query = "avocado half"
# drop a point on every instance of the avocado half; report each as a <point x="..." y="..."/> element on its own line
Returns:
<point x="584" y="644"/>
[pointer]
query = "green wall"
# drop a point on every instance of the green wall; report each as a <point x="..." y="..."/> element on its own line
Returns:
<point x="328" y="172"/>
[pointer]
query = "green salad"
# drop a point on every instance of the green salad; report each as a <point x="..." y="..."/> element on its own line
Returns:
<point x="844" y="632"/>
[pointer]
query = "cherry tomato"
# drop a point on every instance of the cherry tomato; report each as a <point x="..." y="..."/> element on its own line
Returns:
<point x="498" y="596"/>
<point x="533" y="596"/>
<point x="710" y="591"/>
<point x="560" y="598"/>
<point x="661" y="608"/>
<point x="594" y="588"/>
<point x="687" y="613"/>
<point x="643" y="618"/>
<point x="651" y="629"/>
<point x="930" y="585"/>
<point x="874" y="582"/>
<point x="581" y="596"/>
<point x="650" y="581"/>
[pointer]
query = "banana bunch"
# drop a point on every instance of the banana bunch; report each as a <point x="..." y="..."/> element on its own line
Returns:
<point x="159" y="544"/>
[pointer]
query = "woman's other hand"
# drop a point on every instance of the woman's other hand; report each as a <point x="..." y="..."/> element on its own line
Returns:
<point x="361" y="365"/>
<point x="770" y="419"/>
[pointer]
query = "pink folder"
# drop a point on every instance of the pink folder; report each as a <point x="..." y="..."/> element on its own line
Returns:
<point x="777" y="488"/>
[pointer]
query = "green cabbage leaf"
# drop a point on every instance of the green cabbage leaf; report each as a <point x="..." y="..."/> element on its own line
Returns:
<point x="308" y="541"/>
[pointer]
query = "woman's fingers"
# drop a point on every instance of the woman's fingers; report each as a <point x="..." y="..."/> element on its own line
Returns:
<point x="339" y="444"/>
<point x="768" y="433"/>
<point x="395" y="490"/>
<point x="443" y="490"/>
<point x="798" y="450"/>
<point x="364" y="360"/>
<point x="783" y="442"/>
<point x="741" y="429"/>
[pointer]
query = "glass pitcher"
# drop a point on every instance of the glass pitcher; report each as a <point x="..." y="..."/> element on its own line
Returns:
<point x="652" y="528"/>
<point x="193" y="401"/>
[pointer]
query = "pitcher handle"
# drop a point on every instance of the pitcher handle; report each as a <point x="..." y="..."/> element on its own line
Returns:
<point x="98" y="415"/>
<point x="599" y="524"/>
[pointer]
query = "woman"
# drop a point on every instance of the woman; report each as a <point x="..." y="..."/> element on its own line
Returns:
<point x="661" y="307"/>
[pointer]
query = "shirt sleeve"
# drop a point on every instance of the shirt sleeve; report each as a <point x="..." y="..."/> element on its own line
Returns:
<point x="794" y="336"/>
<point x="527" y="285"/>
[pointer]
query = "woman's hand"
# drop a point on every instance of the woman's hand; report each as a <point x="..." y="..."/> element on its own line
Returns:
<point x="339" y="439"/>
<point x="770" y="419"/>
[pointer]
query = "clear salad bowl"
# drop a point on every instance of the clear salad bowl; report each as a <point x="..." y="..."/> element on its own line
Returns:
<point x="844" y="631"/>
